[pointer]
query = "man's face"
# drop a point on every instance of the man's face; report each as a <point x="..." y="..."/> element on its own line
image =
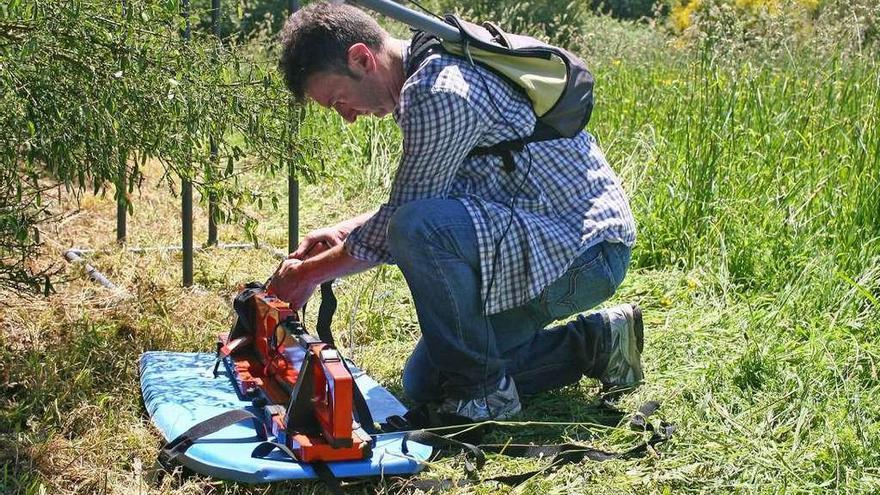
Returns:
<point x="350" y="97"/>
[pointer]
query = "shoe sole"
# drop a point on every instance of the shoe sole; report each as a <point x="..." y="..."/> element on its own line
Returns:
<point x="636" y="344"/>
<point x="639" y="328"/>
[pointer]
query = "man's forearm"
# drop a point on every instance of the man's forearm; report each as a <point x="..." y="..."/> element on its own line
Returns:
<point x="334" y="263"/>
<point x="357" y="221"/>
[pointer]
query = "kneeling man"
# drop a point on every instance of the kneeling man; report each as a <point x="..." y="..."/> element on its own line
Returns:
<point x="491" y="256"/>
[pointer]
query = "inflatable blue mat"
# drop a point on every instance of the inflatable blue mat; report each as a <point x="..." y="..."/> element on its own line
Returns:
<point x="180" y="391"/>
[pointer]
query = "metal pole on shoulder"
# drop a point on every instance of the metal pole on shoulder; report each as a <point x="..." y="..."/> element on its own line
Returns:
<point x="186" y="193"/>
<point x="412" y="18"/>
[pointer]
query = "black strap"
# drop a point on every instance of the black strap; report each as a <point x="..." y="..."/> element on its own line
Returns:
<point x="422" y="45"/>
<point x="325" y="313"/>
<point x="325" y="333"/>
<point x="173" y="449"/>
<point x="444" y="442"/>
<point x="265" y="448"/>
<point x="560" y="454"/>
<point x="326" y="475"/>
<point x="506" y="149"/>
<point x="361" y="408"/>
<point x="322" y="471"/>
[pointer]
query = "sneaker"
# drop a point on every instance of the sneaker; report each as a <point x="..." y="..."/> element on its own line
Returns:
<point x="500" y="404"/>
<point x="624" y="369"/>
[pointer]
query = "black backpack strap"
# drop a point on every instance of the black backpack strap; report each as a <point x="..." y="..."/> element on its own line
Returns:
<point x="506" y="149"/>
<point x="175" y="448"/>
<point x="422" y="45"/>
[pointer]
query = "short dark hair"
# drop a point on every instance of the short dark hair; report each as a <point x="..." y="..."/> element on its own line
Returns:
<point x="316" y="39"/>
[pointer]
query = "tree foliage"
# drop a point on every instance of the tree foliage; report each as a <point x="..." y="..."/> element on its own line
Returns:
<point x="91" y="90"/>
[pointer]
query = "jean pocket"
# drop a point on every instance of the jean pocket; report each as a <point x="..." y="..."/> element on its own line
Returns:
<point x="584" y="285"/>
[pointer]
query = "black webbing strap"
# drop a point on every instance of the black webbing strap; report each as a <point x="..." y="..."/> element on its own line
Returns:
<point x="559" y="454"/>
<point x="506" y="149"/>
<point x="265" y="448"/>
<point x="422" y="45"/>
<point x="327" y="477"/>
<point x="173" y="449"/>
<point x="325" y="313"/>
<point x="444" y="442"/>
<point x="325" y="332"/>
<point x="322" y="471"/>
<point x="361" y="408"/>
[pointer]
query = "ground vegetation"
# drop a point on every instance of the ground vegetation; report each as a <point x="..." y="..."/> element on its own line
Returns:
<point x="749" y="142"/>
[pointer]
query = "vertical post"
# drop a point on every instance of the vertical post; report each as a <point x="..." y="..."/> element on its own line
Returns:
<point x="122" y="179"/>
<point x="212" y="206"/>
<point x="121" y="200"/>
<point x="292" y="182"/>
<point x="186" y="192"/>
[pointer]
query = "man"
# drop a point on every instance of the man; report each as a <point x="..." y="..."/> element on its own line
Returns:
<point x="491" y="257"/>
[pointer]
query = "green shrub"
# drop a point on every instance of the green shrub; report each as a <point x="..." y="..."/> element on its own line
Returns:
<point x="91" y="90"/>
<point x="778" y="26"/>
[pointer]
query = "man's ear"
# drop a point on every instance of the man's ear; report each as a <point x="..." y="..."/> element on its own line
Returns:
<point x="361" y="59"/>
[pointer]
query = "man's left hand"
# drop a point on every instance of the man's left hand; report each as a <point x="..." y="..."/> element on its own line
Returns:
<point x="291" y="283"/>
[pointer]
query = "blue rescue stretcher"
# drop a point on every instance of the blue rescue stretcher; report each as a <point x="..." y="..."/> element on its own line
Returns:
<point x="181" y="391"/>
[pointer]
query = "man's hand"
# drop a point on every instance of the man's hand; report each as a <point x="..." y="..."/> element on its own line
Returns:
<point x="319" y="257"/>
<point x="320" y="240"/>
<point x="292" y="283"/>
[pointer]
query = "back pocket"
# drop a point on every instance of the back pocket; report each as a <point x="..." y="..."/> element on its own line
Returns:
<point x="586" y="284"/>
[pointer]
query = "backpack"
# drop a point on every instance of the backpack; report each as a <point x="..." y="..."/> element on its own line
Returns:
<point x="556" y="82"/>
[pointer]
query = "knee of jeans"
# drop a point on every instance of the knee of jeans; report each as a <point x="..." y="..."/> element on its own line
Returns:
<point x="406" y="226"/>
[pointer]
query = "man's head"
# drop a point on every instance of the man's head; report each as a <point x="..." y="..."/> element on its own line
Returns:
<point x="338" y="56"/>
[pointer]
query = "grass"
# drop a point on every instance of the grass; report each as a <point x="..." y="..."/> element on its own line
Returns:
<point x="755" y="184"/>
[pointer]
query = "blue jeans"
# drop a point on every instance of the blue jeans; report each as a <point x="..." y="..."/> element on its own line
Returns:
<point x="462" y="352"/>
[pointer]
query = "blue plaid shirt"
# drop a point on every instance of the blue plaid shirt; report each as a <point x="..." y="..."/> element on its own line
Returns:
<point x="569" y="198"/>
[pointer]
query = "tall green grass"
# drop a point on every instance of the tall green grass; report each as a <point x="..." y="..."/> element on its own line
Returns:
<point x="752" y="168"/>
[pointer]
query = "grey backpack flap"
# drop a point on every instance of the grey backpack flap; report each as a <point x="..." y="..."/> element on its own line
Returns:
<point x="556" y="82"/>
